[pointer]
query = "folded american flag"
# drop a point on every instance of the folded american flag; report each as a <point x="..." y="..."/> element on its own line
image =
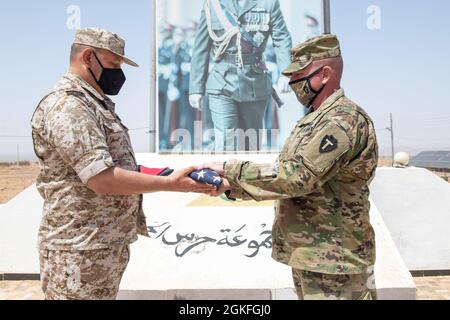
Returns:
<point x="207" y="176"/>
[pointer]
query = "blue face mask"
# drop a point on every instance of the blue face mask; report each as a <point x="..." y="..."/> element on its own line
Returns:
<point x="111" y="80"/>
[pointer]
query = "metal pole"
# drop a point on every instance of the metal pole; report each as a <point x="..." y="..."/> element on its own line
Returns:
<point x="392" y="139"/>
<point x="153" y="139"/>
<point x="326" y="16"/>
<point x="18" y="155"/>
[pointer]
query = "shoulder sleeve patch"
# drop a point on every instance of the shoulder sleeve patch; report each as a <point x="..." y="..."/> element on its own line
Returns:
<point x="329" y="143"/>
<point x="325" y="148"/>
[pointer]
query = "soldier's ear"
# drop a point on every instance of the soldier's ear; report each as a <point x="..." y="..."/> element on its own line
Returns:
<point x="87" y="56"/>
<point x="326" y="74"/>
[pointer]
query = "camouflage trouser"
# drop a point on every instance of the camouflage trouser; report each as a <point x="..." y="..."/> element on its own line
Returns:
<point x="83" y="275"/>
<point x="320" y="286"/>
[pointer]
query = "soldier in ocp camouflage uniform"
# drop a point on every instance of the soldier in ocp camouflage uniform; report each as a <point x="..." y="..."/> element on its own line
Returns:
<point x="89" y="177"/>
<point x="320" y="181"/>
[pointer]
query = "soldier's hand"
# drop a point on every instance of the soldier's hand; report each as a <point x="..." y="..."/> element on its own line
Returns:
<point x="181" y="182"/>
<point x="283" y="85"/>
<point x="224" y="187"/>
<point x="196" y="101"/>
<point x="215" y="166"/>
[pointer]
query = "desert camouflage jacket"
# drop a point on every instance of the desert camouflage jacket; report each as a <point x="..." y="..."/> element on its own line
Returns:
<point x="77" y="135"/>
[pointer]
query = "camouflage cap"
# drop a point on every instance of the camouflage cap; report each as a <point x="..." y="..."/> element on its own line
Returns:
<point x="103" y="39"/>
<point x="318" y="48"/>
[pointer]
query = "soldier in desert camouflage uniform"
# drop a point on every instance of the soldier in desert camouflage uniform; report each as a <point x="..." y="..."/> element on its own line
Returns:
<point x="89" y="177"/>
<point x="320" y="181"/>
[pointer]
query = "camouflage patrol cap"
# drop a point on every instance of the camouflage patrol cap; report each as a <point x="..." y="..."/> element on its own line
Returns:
<point x="103" y="39"/>
<point x="318" y="48"/>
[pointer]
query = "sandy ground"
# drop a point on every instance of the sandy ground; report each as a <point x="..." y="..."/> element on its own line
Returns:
<point x="15" y="179"/>
<point x="384" y="162"/>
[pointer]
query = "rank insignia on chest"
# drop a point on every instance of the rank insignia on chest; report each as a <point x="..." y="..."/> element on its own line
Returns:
<point x="306" y="130"/>
<point x="329" y="144"/>
<point x="265" y="23"/>
<point x="259" y="39"/>
<point x="257" y="21"/>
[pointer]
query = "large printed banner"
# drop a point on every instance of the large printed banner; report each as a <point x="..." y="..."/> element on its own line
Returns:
<point x="219" y="64"/>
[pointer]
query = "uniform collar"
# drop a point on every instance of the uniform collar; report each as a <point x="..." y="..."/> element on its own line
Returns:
<point x="82" y="84"/>
<point x="248" y="5"/>
<point x="324" y="107"/>
<point x="329" y="102"/>
<point x="230" y="6"/>
<point x="239" y="12"/>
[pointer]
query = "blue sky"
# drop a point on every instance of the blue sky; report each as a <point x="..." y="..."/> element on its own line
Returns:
<point x="401" y="68"/>
<point x="35" y="54"/>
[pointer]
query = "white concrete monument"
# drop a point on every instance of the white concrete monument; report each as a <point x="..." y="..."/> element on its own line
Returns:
<point x="415" y="204"/>
<point x="200" y="247"/>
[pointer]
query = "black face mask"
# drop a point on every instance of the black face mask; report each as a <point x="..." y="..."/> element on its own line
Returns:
<point x="111" y="80"/>
<point x="304" y="91"/>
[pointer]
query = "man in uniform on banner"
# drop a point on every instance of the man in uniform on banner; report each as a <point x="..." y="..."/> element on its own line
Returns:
<point x="235" y="33"/>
